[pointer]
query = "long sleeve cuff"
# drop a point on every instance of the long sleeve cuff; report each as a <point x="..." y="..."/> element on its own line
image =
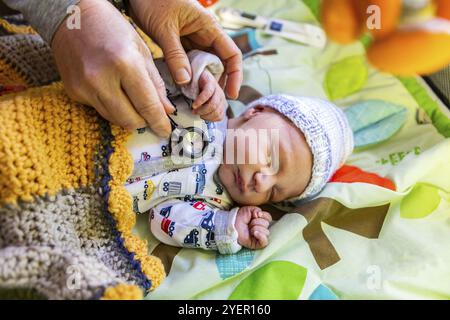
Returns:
<point x="43" y="15"/>
<point x="226" y="235"/>
<point x="200" y="61"/>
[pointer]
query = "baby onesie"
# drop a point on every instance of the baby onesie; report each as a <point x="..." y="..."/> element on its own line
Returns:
<point x="188" y="205"/>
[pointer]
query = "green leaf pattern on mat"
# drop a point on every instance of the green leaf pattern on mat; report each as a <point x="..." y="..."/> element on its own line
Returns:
<point x="345" y="77"/>
<point x="421" y="201"/>
<point x="277" y="280"/>
<point x="374" y="121"/>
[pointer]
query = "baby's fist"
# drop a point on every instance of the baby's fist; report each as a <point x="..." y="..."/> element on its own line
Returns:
<point x="210" y="103"/>
<point x="252" y="225"/>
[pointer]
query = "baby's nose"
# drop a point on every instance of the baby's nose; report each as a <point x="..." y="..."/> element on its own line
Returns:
<point x="263" y="182"/>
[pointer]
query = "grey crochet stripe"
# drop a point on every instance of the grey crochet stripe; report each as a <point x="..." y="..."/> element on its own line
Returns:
<point x="31" y="57"/>
<point x="62" y="247"/>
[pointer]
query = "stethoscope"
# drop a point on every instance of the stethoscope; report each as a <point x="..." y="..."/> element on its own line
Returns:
<point x="187" y="145"/>
<point x="190" y="142"/>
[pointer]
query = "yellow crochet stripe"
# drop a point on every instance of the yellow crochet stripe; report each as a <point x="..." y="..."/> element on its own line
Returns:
<point x="120" y="207"/>
<point x="9" y="75"/>
<point x="154" y="48"/>
<point x="47" y="143"/>
<point x="16" y="29"/>
<point x="122" y="292"/>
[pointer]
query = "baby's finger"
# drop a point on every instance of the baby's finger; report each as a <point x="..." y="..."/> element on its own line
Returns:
<point x="263" y="240"/>
<point x="264" y="215"/>
<point x="255" y="212"/>
<point x="214" y="115"/>
<point x="259" y="222"/>
<point x="205" y="109"/>
<point x="207" y="85"/>
<point x="213" y="110"/>
<point x="259" y="229"/>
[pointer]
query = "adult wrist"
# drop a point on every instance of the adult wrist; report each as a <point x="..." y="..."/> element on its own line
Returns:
<point x="45" y="16"/>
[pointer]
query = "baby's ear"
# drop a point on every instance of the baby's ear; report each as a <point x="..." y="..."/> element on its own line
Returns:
<point x="251" y="112"/>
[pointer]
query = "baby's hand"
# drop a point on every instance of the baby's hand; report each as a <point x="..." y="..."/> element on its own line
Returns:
<point x="210" y="103"/>
<point x="252" y="225"/>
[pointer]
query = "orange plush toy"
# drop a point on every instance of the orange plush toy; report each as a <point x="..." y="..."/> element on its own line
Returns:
<point x="409" y="36"/>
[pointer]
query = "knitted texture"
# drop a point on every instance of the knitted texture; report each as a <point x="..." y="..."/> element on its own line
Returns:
<point x="65" y="218"/>
<point x="14" y="24"/>
<point x="30" y="56"/>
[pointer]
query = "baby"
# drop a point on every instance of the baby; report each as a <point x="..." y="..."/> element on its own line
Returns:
<point x="282" y="148"/>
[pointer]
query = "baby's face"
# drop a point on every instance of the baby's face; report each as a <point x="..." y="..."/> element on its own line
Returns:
<point x="276" y="175"/>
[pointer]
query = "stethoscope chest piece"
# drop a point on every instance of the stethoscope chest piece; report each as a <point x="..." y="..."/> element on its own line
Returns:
<point x="190" y="142"/>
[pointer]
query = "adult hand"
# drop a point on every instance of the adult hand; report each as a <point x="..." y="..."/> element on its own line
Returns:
<point x="107" y="65"/>
<point x="165" y="21"/>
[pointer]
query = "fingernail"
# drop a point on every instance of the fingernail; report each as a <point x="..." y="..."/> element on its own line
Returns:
<point x="182" y="76"/>
<point x="167" y="133"/>
<point x="169" y="104"/>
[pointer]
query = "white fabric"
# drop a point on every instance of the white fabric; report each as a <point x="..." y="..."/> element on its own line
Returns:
<point x="195" y="224"/>
<point x="179" y="189"/>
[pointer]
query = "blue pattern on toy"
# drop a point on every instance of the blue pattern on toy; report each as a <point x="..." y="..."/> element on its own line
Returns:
<point x="323" y="293"/>
<point x="374" y="121"/>
<point x="231" y="264"/>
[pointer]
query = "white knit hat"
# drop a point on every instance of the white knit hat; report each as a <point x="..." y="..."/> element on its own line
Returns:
<point x="326" y="131"/>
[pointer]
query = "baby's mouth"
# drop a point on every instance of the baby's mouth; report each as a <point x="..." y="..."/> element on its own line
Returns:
<point x="238" y="179"/>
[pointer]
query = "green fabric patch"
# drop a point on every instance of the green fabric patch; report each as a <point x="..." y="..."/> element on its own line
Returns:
<point x="277" y="280"/>
<point x="421" y="201"/>
<point x="423" y="99"/>
<point x="345" y="77"/>
<point x="314" y="7"/>
<point x="374" y="121"/>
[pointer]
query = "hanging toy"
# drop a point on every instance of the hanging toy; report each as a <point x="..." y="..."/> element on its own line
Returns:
<point x="409" y="37"/>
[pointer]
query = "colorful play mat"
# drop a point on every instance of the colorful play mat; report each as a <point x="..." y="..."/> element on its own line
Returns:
<point x="381" y="227"/>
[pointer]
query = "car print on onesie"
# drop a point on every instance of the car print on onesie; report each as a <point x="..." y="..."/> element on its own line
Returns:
<point x="191" y="240"/>
<point x="168" y="226"/>
<point x="165" y="212"/>
<point x="209" y="238"/>
<point x="207" y="222"/>
<point x="198" y="205"/>
<point x="200" y="178"/>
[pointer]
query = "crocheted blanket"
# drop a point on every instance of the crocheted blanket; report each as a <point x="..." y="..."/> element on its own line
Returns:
<point x="65" y="219"/>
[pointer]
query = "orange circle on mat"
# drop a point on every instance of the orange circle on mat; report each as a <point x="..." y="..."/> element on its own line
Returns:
<point x="207" y="3"/>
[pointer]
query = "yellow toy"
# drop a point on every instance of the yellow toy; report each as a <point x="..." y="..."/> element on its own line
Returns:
<point x="409" y="37"/>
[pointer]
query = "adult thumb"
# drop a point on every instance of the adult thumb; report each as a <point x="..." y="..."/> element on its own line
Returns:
<point x="176" y="58"/>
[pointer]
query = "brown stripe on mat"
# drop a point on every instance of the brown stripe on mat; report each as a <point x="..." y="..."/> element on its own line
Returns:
<point x="366" y="222"/>
<point x="166" y="254"/>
